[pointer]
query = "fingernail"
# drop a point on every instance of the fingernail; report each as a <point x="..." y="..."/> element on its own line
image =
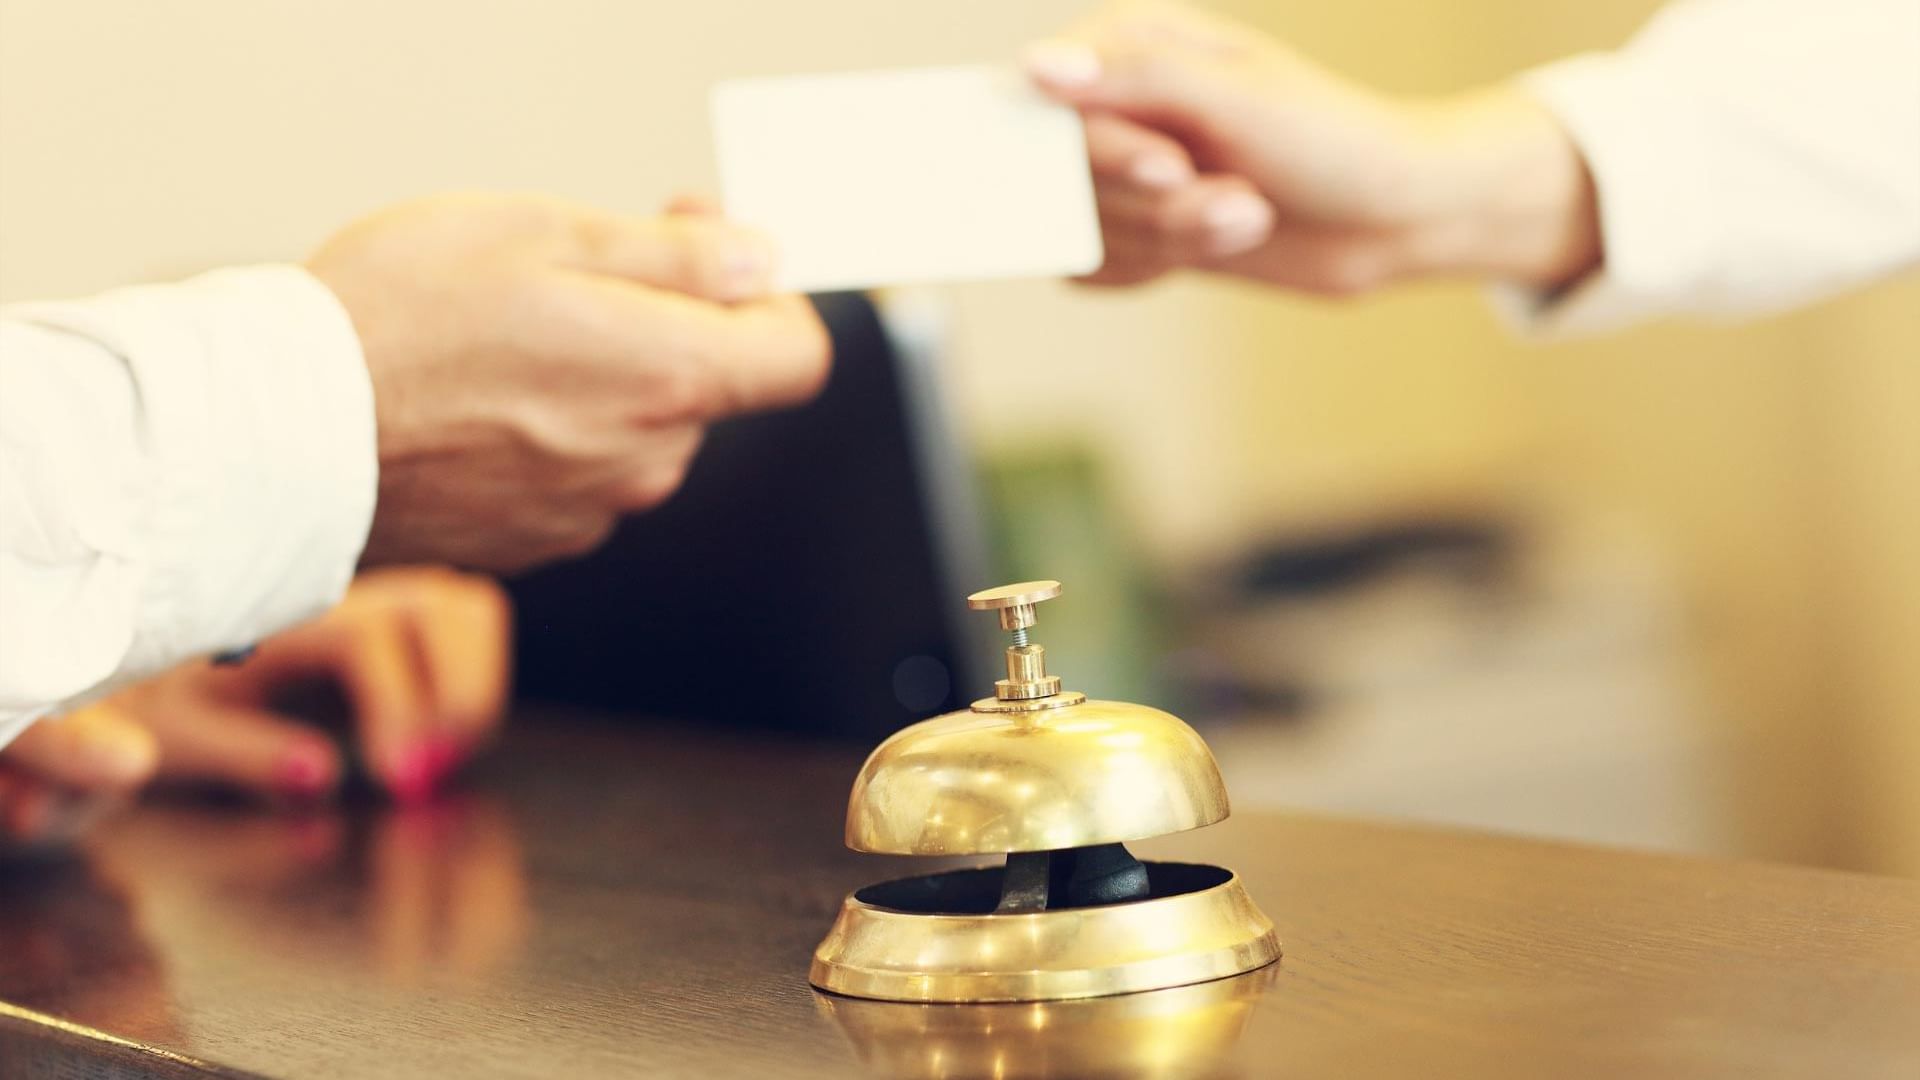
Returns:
<point x="1065" y="64"/>
<point x="1158" y="171"/>
<point x="749" y="257"/>
<point x="446" y="756"/>
<point x="1237" y="222"/>
<point x="418" y="771"/>
<point x="306" y="770"/>
<point x="410" y="779"/>
<point x="748" y="264"/>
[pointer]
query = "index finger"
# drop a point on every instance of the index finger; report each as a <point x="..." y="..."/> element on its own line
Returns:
<point x="699" y="254"/>
<point x="737" y="358"/>
<point x="370" y="657"/>
<point x="1122" y="151"/>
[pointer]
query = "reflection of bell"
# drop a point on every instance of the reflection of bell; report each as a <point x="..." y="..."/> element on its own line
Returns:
<point x="1183" y="1031"/>
<point x="1056" y="783"/>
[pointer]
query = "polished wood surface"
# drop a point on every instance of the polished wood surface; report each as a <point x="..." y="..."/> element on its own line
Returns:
<point x="617" y="901"/>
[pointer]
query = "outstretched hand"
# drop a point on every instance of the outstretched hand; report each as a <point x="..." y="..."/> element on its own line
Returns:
<point x="1216" y="147"/>
<point x="540" y="368"/>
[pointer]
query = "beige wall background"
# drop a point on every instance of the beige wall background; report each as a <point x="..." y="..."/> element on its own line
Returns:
<point x="1775" y="466"/>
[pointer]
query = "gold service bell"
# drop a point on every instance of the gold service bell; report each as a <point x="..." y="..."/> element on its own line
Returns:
<point x="1057" y="784"/>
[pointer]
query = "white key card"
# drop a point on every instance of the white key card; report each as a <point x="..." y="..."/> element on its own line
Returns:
<point x="892" y="177"/>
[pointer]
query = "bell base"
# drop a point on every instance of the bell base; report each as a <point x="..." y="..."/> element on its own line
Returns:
<point x="937" y="939"/>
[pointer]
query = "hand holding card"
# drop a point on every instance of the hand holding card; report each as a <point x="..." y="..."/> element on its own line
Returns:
<point x="896" y="177"/>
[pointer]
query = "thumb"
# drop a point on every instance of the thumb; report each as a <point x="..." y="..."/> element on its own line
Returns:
<point x="1162" y="85"/>
<point x="97" y="748"/>
<point x="692" y="253"/>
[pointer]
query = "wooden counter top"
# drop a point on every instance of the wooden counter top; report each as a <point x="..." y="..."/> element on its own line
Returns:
<point x="604" y="900"/>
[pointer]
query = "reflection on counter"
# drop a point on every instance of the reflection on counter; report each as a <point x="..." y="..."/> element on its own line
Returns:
<point x="72" y="946"/>
<point x="439" y="892"/>
<point x="1184" y="1031"/>
<point x="440" y="889"/>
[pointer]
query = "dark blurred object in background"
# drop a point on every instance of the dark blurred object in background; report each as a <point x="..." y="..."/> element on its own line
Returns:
<point x="1258" y="630"/>
<point x="1478" y="551"/>
<point x="799" y="581"/>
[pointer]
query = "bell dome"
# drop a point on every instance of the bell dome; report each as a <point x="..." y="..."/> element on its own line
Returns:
<point x="972" y="783"/>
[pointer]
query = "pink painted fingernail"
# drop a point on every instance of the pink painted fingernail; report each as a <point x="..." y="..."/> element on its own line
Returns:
<point x="411" y="778"/>
<point x="418" y="772"/>
<point x="448" y="753"/>
<point x="306" y="770"/>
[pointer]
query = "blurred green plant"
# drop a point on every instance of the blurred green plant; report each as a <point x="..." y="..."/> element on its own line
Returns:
<point x="1049" y="515"/>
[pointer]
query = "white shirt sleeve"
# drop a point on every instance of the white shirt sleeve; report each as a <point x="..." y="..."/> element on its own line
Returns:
<point x="1748" y="155"/>
<point x="183" y="469"/>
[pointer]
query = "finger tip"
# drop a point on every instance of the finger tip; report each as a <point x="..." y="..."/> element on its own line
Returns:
<point x="405" y="777"/>
<point x="420" y="770"/>
<point x="1061" y="65"/>
<point x="1237" y="222"/>
<point x="308" y="769"/>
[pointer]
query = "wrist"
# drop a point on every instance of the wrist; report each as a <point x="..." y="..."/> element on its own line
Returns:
<point x="1511" y="197"/>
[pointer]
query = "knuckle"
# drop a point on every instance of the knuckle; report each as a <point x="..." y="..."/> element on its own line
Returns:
<point x="592" y="240"/>
<point x="545" y="436"/>
<point x="652" y="486"/>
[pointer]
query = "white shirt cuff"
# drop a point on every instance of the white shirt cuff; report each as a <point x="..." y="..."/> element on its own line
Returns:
<point x="1658" y="241"/>
<point x="257" y="417"/>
